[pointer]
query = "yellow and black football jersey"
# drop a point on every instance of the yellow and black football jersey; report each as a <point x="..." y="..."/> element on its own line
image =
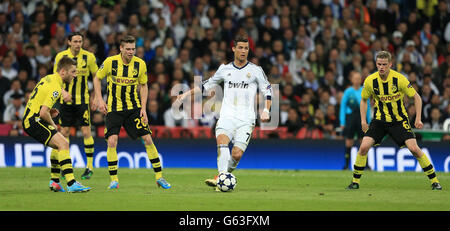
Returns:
<point x="388" y="95"/>
<point x="78" y="88"/>
<point x="46" y="92"/>
<point x="123" y="81"/>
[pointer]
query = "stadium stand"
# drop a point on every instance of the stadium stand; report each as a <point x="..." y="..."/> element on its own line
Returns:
<point x="306" y="47"/>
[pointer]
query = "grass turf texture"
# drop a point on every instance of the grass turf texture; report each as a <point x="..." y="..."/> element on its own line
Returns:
<point x="26" y="189"/>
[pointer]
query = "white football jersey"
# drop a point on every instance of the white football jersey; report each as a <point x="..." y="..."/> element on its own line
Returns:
<point x="240" y="88"/>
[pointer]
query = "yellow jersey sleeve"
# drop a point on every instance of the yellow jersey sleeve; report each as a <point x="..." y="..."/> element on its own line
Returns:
<point x="57" y="58"/>
<point x="143" y="78"/>
<point x="53" y="92"/>
<point x="92" y="63"/>
<point x="367" y="89"/>
<point x="104" y="69"/>
<point x="406" y="87"/>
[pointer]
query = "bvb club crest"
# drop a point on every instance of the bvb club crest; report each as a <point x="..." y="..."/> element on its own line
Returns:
<point x="394" y="89"/>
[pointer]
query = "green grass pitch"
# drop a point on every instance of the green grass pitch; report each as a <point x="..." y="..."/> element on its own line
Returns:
<point x="26" y="189"/>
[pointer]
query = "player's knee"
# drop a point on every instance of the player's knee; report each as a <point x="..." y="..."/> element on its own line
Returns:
<point x="147" y="140"/>
<point x="65" y="131"/>
<point x="415" y="150"/>
<point x="63" y="144"/>
<point x="86" y="132"/>
<point x="364" y="149"/>
<point x="237" y="152"/>
<point x="112" y="141"/>
<point x="223" y="139"/>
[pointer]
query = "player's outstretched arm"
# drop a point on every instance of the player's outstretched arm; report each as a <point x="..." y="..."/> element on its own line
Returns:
<point x="183" y="96"/>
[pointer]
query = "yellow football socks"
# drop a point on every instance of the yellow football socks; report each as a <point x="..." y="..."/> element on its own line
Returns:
<point x="55" y="169"/>
<point x="428" y="168"/>
<point x="89" y="150"/>
<point x="152" y="153"/>
<point x="358" y="167"/>
<point x="66" y="165"/>
<point x="111" y="155"/>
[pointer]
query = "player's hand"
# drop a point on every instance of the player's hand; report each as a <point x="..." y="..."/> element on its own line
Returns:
<point x="265" y="117"/>
<point x="66" y="96"/>
<point x="177" y="103"/>
<point x="144" y="117"/>
<point x="418" y="124"/>
<point x="100" y="105"/>
<point x="364" y="127"/>
<point x="54" y="112"/>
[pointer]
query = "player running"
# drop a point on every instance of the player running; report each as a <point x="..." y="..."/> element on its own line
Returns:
<point x="38" y="123"/>
<point x="388" y="87"/>
<point x="241" y="80"/>
<point x="76" y="112"/>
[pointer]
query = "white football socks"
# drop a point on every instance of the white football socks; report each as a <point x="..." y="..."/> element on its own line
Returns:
<point x="232" y="164"/>
<point x="223" y="157"/>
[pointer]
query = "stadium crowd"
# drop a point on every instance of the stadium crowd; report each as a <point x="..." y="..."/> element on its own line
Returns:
<point x="309" y="48"/>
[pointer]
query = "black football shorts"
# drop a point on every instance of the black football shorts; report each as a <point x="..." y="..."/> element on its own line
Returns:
<point x="399" y="131"/>
<point x="130" y="120"/>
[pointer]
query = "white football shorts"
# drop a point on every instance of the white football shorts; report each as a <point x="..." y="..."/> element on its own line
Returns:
<point x="239" y="132"/>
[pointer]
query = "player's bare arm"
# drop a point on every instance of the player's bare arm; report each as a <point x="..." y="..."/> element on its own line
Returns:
<point x="143" y="91"/>
<point x="183" y="96"/>
<point x="418" y="105"/>
<point x="363" y="112"/>
<point x="45" y="114"/>
<point x="98" y="103"/>
<point x="265" y="114"/>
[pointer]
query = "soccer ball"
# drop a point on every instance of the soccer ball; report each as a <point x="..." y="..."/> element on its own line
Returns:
<point x="226" y="182"/>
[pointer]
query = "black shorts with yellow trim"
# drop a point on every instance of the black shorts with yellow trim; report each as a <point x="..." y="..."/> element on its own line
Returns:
<point x="130" y="120"/>
<point x="75" y="115"/>
<point x="40" y="130"/>
<point x="399" y="131"/>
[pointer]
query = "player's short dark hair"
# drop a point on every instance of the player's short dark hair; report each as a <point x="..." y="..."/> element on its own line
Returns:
<point x="127" y="39"/>
<point x="240" y="38"/>
<point x="65" y="63"/>
<point x="384" y="55"/>
<point x="75" y="34"/>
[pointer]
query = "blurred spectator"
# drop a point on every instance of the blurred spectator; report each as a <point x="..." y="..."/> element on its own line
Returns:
<point x="81" y="11"/>
<point x="435" y="122"/>
<point x="308" y="47"/>
<point x="284" y="111"/>
<point x="325" y="100"/>
<point x="8" y="71"/>
<point x="304" y="115"/>
<point x="29" y="62"/>
<point x="13" y="114"/>
<point x="15" y="88"/>
<point x="154" y="114"/>
<point x="293" y="122"/>
<point x="60" y="22"/>
<point x="319" y="119"/>
<point x="298" y="64"/>
<point x="169" y="50"/>
<point x="311" y="81"/>
<point x="331" y="121"/>
<point x="45" y="57"/>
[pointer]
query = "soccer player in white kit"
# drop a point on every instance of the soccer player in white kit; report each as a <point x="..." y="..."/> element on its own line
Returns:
<point x="241" y="80"/>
